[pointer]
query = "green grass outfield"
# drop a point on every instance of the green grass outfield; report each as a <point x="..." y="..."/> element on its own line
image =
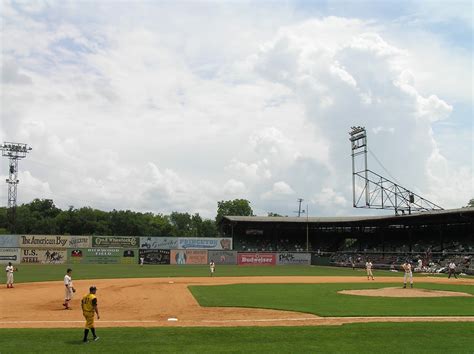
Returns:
<point x="323" y="299"/>
<point x="418" y="337"/>
<point x="437" y="337"/>
<point x="48" y="272"/>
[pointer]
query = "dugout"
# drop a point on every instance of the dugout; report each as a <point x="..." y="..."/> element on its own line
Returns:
<point x="443" y="229"/>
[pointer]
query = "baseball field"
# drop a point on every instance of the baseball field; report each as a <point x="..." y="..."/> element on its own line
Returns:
<point x="286" y="309"/>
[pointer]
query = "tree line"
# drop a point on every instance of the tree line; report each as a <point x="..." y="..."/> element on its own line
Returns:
<point x="43" y="217"/>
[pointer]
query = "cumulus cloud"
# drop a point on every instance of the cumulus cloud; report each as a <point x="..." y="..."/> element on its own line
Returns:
<point x="279" y="190"/>
<point x="329" y="199"/>
<point x="146" y="115"/>
<point x="234" y="188"/>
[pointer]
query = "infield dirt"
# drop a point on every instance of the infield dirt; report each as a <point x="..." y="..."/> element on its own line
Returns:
<point x="151" y="302"/>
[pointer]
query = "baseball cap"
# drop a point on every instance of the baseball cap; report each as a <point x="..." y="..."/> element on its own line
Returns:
<point x="92" y="288"/>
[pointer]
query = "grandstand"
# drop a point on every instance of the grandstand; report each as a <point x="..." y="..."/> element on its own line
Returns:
<point x="432" y="237"/>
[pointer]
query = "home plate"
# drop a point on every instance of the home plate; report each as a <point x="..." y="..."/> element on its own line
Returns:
<point x="172" y="319"/>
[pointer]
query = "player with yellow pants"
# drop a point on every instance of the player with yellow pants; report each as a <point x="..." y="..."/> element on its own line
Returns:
<point x="89" y="308"/>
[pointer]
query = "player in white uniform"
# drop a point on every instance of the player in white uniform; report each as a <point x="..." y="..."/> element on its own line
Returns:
<point x="452" y="269"/>
<point x="212" y="267"/>
<point x="69" y="289"/>
<point x="368" y="266"/>
<point x="10" y="269"/>
<point x="408" y="274"/>
<point x="142" y="261"/>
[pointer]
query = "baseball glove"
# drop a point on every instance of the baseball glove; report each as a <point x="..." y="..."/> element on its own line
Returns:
<point x="16" y="269"/>
<point x="73" y="290"/>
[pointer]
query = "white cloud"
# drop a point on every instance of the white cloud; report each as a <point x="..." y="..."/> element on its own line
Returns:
<point x="280" y="190"/>
<point x="234" y="188"/>
<point x="328" y="198"/>
<point x="144" y="114"/>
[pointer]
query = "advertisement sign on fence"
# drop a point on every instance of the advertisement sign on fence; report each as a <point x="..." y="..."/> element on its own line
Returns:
<point x="256" y="258"/>
<point x="205" y="243"/>
<point x="284" y="258"/>
<point x="9" y="241"/>
<point x="103" y="255"/>
<point x="222" y="257"/>
<point x="9" y="255"/>
<point x="115" y="241"/>
<point x="188" y="257"/>
<point x="79" y="241"/>
<point x="164" y="243"/>
<point x="43" y="256"/>
<point x="155" y="256"/>
<point x="43" y="241"/>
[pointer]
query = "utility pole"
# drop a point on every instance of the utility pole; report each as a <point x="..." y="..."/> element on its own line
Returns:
<point x="307" y="228"/>
<point x="14" y="152"/>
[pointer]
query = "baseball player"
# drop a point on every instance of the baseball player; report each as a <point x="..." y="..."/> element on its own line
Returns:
<point x="212" y="267"/>
<point x="368" y="267"/>
<point x="69" y="289"/>
<point x="10" y="269"/>
<point x="408" y="274"/>
<point x="142" y="261"/>
<point x="89" y="306"/>
<point x="452" y="269"/>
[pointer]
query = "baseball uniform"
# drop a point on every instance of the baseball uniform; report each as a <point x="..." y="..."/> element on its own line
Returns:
<point x="368" y="266"/>
<point x="408" y="274"/>
<point x="452" y="270"/>
<point x="68" y="289"/>
<point x="212" y="267"/>
<point x="89" y="308"/>
<point x="9" y="269"/>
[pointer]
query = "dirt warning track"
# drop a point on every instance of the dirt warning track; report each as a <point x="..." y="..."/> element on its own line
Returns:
<point x="158" y="302"/>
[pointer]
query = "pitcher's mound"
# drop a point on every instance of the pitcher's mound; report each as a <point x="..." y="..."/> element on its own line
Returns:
<point x="400" y="292"/>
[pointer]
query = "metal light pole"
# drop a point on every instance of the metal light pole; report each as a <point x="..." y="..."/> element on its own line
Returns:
<point x="14" y="152"/>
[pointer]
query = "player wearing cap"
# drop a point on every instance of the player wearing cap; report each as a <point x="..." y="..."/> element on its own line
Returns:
<point x="69" y="289"/>
<point x="89" y="306"/>
<point x="212" y="267"/>
<point x="408" y="274"/>
<point x="368" y="266"/>
<point x="10" y="269"/>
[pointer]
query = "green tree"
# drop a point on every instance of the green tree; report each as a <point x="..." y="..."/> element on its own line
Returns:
<point x="236" y="207"/>
<point x="3" y="219"/>
<point x="182" y="224"/>
<point x="470" y="204"/>
<point x="208" y="229"/>
<point x="37" y="217"/>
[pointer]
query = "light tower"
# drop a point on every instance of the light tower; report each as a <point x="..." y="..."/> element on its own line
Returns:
<point x="371" y="190"/>
<point x="14" y="152"/>
<point x="299" y="200"/>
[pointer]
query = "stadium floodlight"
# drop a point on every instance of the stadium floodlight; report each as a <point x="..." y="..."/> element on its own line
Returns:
<point x="371" y="190"/>
<point x="14" y="152"/>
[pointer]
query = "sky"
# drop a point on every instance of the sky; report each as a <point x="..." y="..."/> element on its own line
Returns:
<point x="161" y="106"/>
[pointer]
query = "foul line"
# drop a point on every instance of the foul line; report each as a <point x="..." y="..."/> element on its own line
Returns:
<point x="266" y="320"/>
<point x="316" y="319"/>
<point x="118" y="321"/>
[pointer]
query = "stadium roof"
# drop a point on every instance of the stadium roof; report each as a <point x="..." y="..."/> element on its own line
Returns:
<point x="462" y="215"/>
